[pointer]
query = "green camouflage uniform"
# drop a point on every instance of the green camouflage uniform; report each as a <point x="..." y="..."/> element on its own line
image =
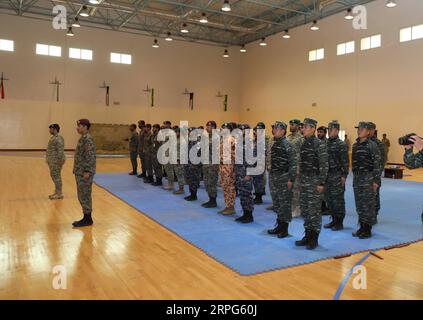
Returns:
<point x="85" y="161"/>
<point x="297" y="141"/>
<point x="381" y="150"/>
<point x="55" y="157"/>
<point x="211" y="173"/>
<point x="366" y="165"/>
<point x="157" y="167"/>
<point x="283" y="168"/>
<point x="179" y="168"/>
<point x="313" y="172"/>
<point x="147" y="149"/>
<point x="413" y="161"/>
<point x="141" y="149"/>
<point x="133" y="151"/>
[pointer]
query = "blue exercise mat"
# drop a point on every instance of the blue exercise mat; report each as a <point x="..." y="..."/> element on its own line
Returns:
<point x="247" y="248"/>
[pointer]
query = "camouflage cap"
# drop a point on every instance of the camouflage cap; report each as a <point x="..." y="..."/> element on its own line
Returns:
<point x="279" y="125"/>
<point x="363" y="125"/>
<point x="244" y="126"/>
<point x="310" y="122"/>
<point x="227" y="125"/>
<point x="295" y="121"/>
<point x="334" y="124"/>
<point x="212" y="124"/>
<point x="372" y="125"/>
<point x="84" y="122"/>
<point x="260" y="125"/>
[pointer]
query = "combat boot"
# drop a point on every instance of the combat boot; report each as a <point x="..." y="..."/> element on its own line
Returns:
<point x="169" y="186"/>
<point x="84" y="222"/>
<point x="367" y="232"/>
<point x="313" y="242"/>
<point x="56" y="196"/>
<point x="227" y="211"/>
<point x="158" y="182"/>
<point x="248" y="217"/>
<point x="338" y="224"/>
<point x="133" y="173"/>
<point x="180" y="190"/>
<point x="277" y="229"/>
<point x="258" y="199"/>
<point x="192" y="196"/>
<point x="211" y="203"/>
<point x="330" y="224"/>
<point x="359" y="231"/>
<point x="303" y="242"/>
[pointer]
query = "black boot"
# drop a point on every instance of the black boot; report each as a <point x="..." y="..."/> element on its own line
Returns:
<point x="313" y="242"/>
<point x="367" y="231"/>
<point x="303" y="242"/>
<point x="150" y="180"/>
<point x="248" y="217"/>
<point x="277" y="229"/>
<point x="330" y="224"/>
<point x="158" y="182"/>
<point x="258" y="199"/>
<point x="133" y="173"/>
<point x="359" y="231"/>
<point x="84" y="222"/>
<point x="339" y="224"/>
<point x="192" y="196"/>
<point x="211" y="203"/>
<point x="284" y="231"/>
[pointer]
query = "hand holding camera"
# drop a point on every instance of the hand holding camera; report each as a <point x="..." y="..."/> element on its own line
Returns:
<point x="411" y="140"/>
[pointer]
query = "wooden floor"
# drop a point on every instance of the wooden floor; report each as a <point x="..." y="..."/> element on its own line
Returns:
<point x="125" y="255"/>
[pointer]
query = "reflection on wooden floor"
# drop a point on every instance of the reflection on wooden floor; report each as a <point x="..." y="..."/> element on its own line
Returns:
<point x="128" y="256"/>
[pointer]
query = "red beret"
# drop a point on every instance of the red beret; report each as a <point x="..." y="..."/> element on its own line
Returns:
<point x="84" y="122"/>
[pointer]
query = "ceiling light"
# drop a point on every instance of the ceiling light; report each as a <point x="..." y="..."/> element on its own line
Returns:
<point x="226" y="54"/>
<point x="349" y="15"/>
<point x="263" y="42"/>
<point x="84" y="12"/>
<point x="76" y="23"/>
<point x="184" y="28"/>
<point x="226" y="6"/>
<point x="203" y="18"/>
<point x="314" y="26"/>
<point x="155" y="43"/>
<point x="70" y="32"/>
<point x="169" y="37"/>
<point x="286" y="34"/>
<point x="94" y="1"/>
<point x="391" y="4"/>
<point x="243" y="50"/>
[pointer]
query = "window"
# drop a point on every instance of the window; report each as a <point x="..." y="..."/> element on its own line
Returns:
<point x="47" y="50"/>
<point x="411" y="33"/>
<point x="120" y="58"/>
<point x="371" y="42"/>
<point x="317" y="54"/>
<point x="6" y="45"/>
<point x="345" y="48"/>
<point x="83" y="54"/>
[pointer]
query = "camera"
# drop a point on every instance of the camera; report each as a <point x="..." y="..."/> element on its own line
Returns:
<point x="405" y="140"/>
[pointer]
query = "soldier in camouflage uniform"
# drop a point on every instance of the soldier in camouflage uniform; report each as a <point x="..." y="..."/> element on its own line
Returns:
<point x="321" y="134"/>
<point x="157" y="167"/>
<point x="296" y="138"/>
<point x="337" y="175"/>
<point x="56" y="158"/>
<point x="282" y="175"/>
<point x="169" y="169"/>
<point x="227" y="172"/>
<point x="133" y="149"/>
<point x="179" y="168"/>
<point x="210" y="171"/>
<point x="313" y="175"/>
<point x="411" y="160"/>
<point x="244" y="184"/>
<point x="366" y="164"/>
<point x="259" y="181"/>
<point x="148" y="154"/>
<point x="193" y="171"/>
<point x="141" y="126"/>
<point x="269" y="164"/>
<point x="84" y="170"/>
<point x="381" y="148"/>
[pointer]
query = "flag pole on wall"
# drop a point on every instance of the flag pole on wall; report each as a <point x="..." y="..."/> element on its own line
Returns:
<point x="2" y="90"/>
<point x="57" y="83"/>
<point x="107" y="87"/>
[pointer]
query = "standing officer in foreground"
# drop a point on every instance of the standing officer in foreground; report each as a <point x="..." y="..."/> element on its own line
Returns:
<point x="84" y="171"/>
<point x="366" y="170"/>
<point x="55" y="157"/>
<point x="133" y="149"/>
<point x="337" y="175"/>
<point x="283" y="171"/>
<point x="314" y="170"/>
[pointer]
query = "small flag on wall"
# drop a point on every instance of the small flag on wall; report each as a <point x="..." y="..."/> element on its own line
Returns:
<point x="225" y="103"/>
<point x="191" y="100"/>
<point x="107" y="95"/>
<point x="2" y="88"/>
<point x="152" y="97"/>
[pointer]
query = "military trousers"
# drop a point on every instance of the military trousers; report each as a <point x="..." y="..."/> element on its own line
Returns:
<point x="148" y="165"/>
<point x="259" y="182"/>
<point x="133" y="155"/>
<point x="56" y="176"/>
<point x="227" y="181"/>
<point x="365" y="197"/>
<point x="335" y="194"/>
<point x="245" y="188"/>
<point x="311" y="202"/>
<point x="157" y="167"/>
<point x="84" y="191"/>
<point x="211" y="176"/>
<point x="281" y="196"/>
<point x="193" y="176"/>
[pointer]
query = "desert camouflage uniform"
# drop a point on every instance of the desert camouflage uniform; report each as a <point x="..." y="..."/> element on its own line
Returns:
<point x="55" y="157"/>
<point x="85" y="161"/>
<point x="227" y="175"/>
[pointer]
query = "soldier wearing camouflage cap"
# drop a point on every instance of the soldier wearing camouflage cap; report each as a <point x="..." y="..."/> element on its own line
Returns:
<point x="55" y="158"/>
<point x="259" y="181"/>
<point x="313" y="169"/>
<point x="337" y="175"/>
<point x="297" y="139"/>
<point x="84" y="169"/>
<point x="283" y="172"/>
<point x="366" y="163"/>
<point x="227" y="170"/>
